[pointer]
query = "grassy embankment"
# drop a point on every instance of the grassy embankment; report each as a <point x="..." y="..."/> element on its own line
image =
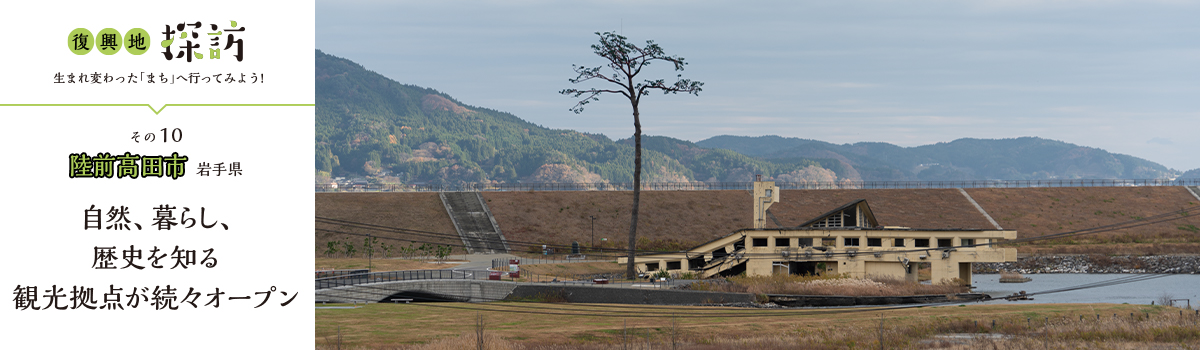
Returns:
<point x="378" y="264"/>
<point x="574" y="326"/>
<point x="1035" y="212"/>
<point x="675" y="220"/>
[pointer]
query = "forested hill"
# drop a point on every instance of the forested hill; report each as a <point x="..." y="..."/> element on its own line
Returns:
<point x="1024" y="158"/>
<point x="369" y="125"/>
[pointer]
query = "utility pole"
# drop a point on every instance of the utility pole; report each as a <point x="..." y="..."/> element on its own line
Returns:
<point x="593" y="246"/>
<point x="369" y="251"/>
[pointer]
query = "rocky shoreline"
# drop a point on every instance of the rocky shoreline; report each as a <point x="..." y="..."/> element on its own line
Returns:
<point x="1176" y="264"/>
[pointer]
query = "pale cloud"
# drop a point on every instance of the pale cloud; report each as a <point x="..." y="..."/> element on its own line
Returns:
<point x="1043" y="5"/>
<point x="757" y="120"/>
<point x="1073" y="109"/>
<point x="873" y="110"/>
<point x="853" y="85"/>
<point x="936" y="120"/>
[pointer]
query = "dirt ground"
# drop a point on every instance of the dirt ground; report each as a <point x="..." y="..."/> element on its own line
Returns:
<point x="416" y="211"/>
<point x="678" y="220"/>
<point x="689" y="217"/>
<point x="380" y="264"/>
<point x="1035" y="212"/>
<point x="570" y="270"/>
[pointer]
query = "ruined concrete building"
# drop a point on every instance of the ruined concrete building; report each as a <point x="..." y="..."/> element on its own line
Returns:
<point x="844" y="240"/>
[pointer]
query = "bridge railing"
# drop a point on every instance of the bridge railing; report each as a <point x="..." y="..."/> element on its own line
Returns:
<point x="416" y="275"/>
<point x="802" y="185"/>
<point x="408" y="275"/>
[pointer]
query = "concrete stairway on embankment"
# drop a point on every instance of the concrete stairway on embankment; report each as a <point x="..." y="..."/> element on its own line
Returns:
<point x="1195" y="191"/>
<point x="474" y="222"/>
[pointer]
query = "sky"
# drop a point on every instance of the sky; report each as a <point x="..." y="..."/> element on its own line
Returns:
<point x="1123" y="76"/>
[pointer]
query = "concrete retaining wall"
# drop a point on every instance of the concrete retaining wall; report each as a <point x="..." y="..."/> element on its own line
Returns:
<point x="457" y="290"/>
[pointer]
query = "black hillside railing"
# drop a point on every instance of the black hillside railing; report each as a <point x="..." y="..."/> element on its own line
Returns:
<point x="711" y="186"/>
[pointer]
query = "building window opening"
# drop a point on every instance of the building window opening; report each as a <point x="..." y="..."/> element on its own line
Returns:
<point x="845" y="218"/>
<point x="783" y="242"/>
<point x="850" y="242"/>
<point x="968" y="241"/>
<point x="651" y="266"/>
<point x="828" y="242"/>
<point x="810" y="268"/>
<point x="874" y="242"/>
<point x="674" y="265"/>
<point x="759" y="242"/>
<point x="924" y="272"/>
<point x="899" y="242"/>
<point x="805" y="242"/>
<point x="921" y="242"/>
<point x="944" y="243"/>
<point x="831" y="221"/>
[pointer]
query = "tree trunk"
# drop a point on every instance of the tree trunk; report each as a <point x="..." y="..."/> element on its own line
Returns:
<point x="637" y="191"/>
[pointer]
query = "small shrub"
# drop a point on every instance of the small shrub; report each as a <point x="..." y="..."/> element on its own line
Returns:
<point x="826" y="285"/>
<point x="1010" y="275"/>
<point x="1165" y="299"/>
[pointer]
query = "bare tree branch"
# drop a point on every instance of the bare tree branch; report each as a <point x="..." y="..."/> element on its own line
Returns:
<point x="626" y="61"/>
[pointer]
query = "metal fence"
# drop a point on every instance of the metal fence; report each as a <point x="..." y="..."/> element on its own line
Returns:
<point x="415" y="275"/>
<point x="708" y="186"/>
<point x="339" y="273"/>
<point x="568" y="259"/>
<point x="390" y="276"/>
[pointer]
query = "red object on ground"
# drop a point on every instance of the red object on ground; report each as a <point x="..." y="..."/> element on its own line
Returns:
<point x="494" y="275"/>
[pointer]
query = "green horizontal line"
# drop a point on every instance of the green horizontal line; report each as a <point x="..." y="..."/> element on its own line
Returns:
<point x="156" y="112"/>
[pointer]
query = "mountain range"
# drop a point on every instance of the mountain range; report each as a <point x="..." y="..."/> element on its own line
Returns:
<point x="1024" y="158"/>
<point x="370" y="126"/>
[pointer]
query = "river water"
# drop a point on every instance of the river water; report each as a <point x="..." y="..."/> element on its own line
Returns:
<point x="1141" y="292"/>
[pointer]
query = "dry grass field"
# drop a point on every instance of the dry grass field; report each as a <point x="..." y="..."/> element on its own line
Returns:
<point x="417" y="211"/>
<point x="675" y="220"/>
<point x="826" y="285"/>
<point x="1035" y="212"/>
<point x="688" y="218"/>
<point x="572" y="326"/>
<point x="570" y="270"/>
<point x="916" y="208"/>
<point x="685" y="218"/>
<point x="378" y="264"/>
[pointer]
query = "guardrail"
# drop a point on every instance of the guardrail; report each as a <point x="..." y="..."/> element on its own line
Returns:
<point x="389" y="276"/>
<point x="710" y="186"/>
<point x="416" y="275"/>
